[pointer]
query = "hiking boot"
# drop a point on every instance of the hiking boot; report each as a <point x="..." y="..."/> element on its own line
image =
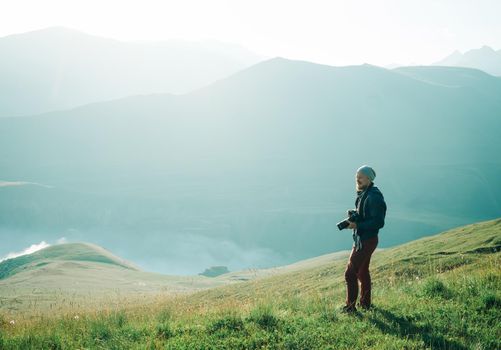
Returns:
<point x="348" y="309"/>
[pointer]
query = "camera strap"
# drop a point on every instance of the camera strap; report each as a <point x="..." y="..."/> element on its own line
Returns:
<point x="361" y="203"/>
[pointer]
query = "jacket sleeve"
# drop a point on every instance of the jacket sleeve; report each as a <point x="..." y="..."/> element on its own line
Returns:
<point x="376" y="211"/>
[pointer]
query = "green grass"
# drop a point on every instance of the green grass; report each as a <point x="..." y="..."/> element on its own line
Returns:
<point x="60" y="252"/>
<point x="439" y="292"/>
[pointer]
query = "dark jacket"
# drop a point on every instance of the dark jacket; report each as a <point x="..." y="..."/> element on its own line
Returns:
<point x="372" y="211"/>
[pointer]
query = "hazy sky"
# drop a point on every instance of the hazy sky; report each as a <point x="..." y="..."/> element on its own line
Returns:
<point x="331" y="32"/>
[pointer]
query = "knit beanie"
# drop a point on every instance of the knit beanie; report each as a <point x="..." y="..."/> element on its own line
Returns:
<point x="367" y="170"/>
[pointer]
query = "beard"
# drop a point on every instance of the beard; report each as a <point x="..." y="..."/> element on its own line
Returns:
<point x="360" y="187"/>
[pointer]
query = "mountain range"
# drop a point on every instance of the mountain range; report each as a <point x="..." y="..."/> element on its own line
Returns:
<point x="59" y="68"/>
<point x="484" y="58"/>
<point x="256" y="169"/>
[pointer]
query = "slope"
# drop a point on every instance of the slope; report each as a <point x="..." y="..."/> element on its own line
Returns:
<point x="456" y="77"/>
<point x="91" y="275"/>
<point x="85" y="273"/>
<point x="459" y="247"/>
<point x="441" y="291"/>
<point x="59" y="68"/>
<point x="61" y="252"/>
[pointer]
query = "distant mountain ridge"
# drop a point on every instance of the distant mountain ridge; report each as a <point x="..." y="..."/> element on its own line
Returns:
<point x="484" y="58"/>
<point x="60" y="68"/>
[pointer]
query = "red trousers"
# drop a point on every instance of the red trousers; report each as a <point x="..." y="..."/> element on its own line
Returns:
<point x="358" y="269"/>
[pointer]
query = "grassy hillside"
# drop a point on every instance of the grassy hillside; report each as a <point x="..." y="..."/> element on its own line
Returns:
<point x="61" y="252"/>
<point x="83" y="275"/>
<point x="438" y="292"/>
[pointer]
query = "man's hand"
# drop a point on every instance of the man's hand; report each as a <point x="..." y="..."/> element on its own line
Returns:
<point x="352" y="225"/>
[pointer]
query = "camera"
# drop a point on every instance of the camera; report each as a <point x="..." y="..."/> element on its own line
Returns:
<point x="353" y="216"/>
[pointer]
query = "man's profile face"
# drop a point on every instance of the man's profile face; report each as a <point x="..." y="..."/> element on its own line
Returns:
<point x="362" y="181"/>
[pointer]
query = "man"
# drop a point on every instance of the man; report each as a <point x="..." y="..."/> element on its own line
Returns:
<point x="371" y="210"/>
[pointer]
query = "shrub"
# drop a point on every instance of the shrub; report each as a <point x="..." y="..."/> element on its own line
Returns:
<point x="164" y="330"/>
<point x="100" y="331"/>
<point x="434" y="287"/>
<point x="230" y="322"/>
<point x="263" y="316"/>
<point x="489" y="301"/>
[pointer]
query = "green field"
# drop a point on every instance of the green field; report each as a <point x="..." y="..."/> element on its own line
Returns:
<point x="438" y="292"/>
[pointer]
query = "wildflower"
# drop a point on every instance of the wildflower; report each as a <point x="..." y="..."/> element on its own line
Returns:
<point x="417" y="277"/>
<point x="76" y="317"/>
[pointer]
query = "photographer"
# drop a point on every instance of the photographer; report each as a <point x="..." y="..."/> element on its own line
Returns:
<point x="365" y="220"/>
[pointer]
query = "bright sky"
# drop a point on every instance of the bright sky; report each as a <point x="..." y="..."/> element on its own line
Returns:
<point x="331" y="31"/>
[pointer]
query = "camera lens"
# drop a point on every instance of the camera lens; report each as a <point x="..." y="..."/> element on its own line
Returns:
<point x="343" y="224"/>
